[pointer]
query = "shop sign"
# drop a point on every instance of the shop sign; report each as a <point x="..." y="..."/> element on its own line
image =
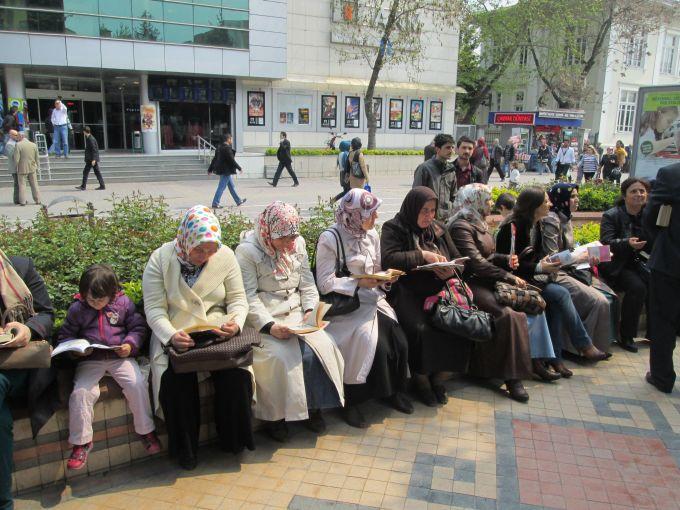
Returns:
<point x="256" y="108"/>
<point x="416" y="118"/>
<point x="396" y="114"/>
<point x="562" y="114"/>
<point x="524" y="119"/>
<point x="436" y="108"/>
<point x="329" y="111"/>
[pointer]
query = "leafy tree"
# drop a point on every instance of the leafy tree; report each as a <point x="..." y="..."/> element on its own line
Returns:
<point x="390" y="33"/>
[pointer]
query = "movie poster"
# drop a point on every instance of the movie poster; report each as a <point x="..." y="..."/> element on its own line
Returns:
<point x="396" y="114"/>
<point x="416" y="117"/>
<point x="657" y="130"/>
<point x="303" y="115"/>
<point x="329" y="111"/>
<point x="255" y="108"/>
<point x="148" y="112"/>
<point x="436" y="108"/>
<point x="377" y="111"/>
<point x="352" y="110"/>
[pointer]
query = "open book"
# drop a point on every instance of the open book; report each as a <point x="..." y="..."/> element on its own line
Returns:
<point x="458" y="263"/>
<point x="80" y="345"/>
<point x="204" y="334"/>
<point x="314" y="322"/>
<point x="382" y="275"/>
<point x="6" y="338"/>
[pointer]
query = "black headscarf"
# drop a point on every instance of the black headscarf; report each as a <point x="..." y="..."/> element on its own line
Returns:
<point x="559" y="195"/>
<point x="408" y="215"/>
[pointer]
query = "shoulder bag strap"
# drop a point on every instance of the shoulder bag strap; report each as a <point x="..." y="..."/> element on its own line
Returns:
<point x="338" y="241"/>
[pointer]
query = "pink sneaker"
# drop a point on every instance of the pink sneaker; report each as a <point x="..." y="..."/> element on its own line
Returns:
<point x="78" y="457"/>
<point x="151" y="443"/>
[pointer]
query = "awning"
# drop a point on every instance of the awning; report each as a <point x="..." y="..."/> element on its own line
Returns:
<point x="331" y="82"/>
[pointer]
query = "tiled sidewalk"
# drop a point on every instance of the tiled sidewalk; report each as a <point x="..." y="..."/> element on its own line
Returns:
<point x="604" y="439"/>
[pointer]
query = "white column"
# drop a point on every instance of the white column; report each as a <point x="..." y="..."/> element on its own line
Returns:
<point x="14" y="79"/>
<point x="150" y="139"/>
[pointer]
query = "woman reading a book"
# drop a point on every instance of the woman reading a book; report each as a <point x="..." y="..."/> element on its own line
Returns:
<point x="411" y="239"/>
<point x="195" y="280"/>
<point x="372" y="343"/>
<point x="297" y="375"/>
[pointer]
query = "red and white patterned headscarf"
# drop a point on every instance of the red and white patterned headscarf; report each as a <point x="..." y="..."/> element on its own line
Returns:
<point x="276" y="221"/>
<point x="355" y="207"/>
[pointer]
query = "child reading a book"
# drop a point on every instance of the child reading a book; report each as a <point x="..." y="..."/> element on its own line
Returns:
<point x="102" y="314"/>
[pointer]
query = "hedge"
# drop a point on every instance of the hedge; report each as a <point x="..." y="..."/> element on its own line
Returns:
<point x="592" y="197"/>
<point x="334" y="152"/>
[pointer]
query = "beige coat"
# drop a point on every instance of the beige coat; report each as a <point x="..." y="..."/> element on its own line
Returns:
<point x="171" y="305"/>
<point x="278" y="364"/>
<point x="26" y="157"/>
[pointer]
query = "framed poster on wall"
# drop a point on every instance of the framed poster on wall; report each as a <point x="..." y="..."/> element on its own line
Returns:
<point x="329" y="111"/>
<point x="377" y="111"/>
<point x="396" y="114"/>
<point x="352" y="111"/>
<point x="416" y="115"/>
<point x="436" y="108"/>
<point x="255" y="108"/>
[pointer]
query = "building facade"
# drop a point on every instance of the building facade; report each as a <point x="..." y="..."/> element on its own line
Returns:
<point x="175" y="70"/>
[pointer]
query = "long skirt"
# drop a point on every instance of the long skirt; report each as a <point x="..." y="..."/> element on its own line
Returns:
<point x="508" y="355"/>
<point x="389" y="372"/>
<point x="319" y="389"/>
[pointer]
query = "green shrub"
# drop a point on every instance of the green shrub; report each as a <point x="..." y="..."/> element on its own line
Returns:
<point x="367" y="152"/>
<point x="587" y="233"/>
<point x="592" y="197"/>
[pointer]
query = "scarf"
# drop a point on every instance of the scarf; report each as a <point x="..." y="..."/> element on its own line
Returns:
<point x="278" y="220"/>
<point x="414" y="201"/>
<point x="472" y="204"/>
<point x="354" y="208"/>
<point x="199" y="225"/>
<point x="16" y="296"/>
<point x="559" y="195"/>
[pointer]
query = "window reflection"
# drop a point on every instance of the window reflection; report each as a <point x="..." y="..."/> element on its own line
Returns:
<point x="116" y="8"/>
<point x="177" y="12"/>
<point x="148" y="9"/>
<point x="76" y="24"/>
<point x="179" y="34"/>
<point x="115" y="28"/>
<point x="148" y="30"/>
<point x="81" y="6"/>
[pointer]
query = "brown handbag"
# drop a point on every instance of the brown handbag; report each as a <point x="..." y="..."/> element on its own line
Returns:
<point x="35" y="354"/>
<point x="527" y="300"/>
<point x="232" y="353"/>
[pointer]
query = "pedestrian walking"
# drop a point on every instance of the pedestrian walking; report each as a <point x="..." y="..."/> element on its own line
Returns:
<point x="224" y="164"/>
<point x="565" y="158"/>
<point x="480" y="158"/>
<point x="544" y="155"/>
<point x="9" y="152"/>
<point x="608" y="166"/>
<point x="496" y="160"/>
<point x="343" y="169"/>
<point x="27" y="161"/>
<point x="508" y="156"/>
<point x="285" y="160"/>
<point x="91" y="160"/>
<point x="61" y="123"/>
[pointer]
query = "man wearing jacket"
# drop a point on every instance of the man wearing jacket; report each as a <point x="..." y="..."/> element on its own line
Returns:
<point x="224" y="165"/>
<point x="9" y="152"/>
<point x="508" y="156"/>
<point x="285" y="160"/>
<point x="664" y="281"/>
<point x="91" y="159"/>
<point x="27" y="161"/>
<point x="496" y="160"/>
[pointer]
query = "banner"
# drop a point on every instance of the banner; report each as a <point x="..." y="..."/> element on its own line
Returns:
<point x="255" y="108"/>
<point x="148" y="112"/>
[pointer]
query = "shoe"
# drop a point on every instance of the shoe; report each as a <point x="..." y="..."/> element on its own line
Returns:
<point x="648" y="378"/>
<point x="277" y="430"/>
<point x="440" y="393"/>
<point x="296" y="184"/>
<point x="316" y="423"/>
<point x="78" y="457"/>
<point x="353" y="417"/>
<point x="217" y="207"/>
<point x="541" y="371"/>
<point x="242" y="202"/>
<point x="401" y="403"/>
<point x="592" y="353"/>
<point x="559" y="367"/>
<point x="271" y="184"/>
<point x="65" y="156"/>
<point x="516" y="390"/>
<point x="81" y="188"/>
<point x="187" y="461"/>
<point x="101" y="187"/>
<point x="628" y="344"/>
<point x="427" y="396"/>
<point x="151" y="443"/>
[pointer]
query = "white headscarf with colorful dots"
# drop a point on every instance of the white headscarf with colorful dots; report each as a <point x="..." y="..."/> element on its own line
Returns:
<point x="198" y="226"/>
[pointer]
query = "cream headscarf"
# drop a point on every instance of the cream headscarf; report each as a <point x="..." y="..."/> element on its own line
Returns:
<point x="16" y="296"/>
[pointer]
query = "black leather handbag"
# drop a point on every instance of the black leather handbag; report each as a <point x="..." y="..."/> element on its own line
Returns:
<point x="341" y="304"/>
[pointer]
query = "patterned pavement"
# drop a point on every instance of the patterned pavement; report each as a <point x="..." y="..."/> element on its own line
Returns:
<point x="604" y="439"/>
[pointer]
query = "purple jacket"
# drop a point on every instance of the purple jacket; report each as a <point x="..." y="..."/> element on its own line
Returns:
<point x="115" y="324"/>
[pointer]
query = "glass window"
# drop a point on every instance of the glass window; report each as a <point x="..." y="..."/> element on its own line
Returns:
<point x="149" y="9"/>
<point x="148" y="30"/>
<point x="220" y="37"/>
<point x="180" y="34"/>
<point x="234" y="19"/>
<point x="41" y="82"/>
<point x="216" y="3"/>
<point x="93" y="112"/>
<point x="635" y="52"/>
<point x="669" y="55"/>
<point x="77" y="24"/>
<point x="236" y="4"/>
<point x="50" y="22"/>
<point x="118" y="8"/>
<point x="178" y="12"/>
<point x="626" y="111"/>
<point x="115" y="28"/>
<point x="207" y="16"/>
<point x="81" y="6"/>
<point x="13" y="20"/>
<point x="43" y="4"/>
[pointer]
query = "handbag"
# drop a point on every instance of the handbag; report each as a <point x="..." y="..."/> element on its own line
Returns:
<point x="455" y="313"/>
<point x="235" y="352"/>
<point x="35" y="354"/>
<point x="527" y="300"/>
<point x="341" y="304"/>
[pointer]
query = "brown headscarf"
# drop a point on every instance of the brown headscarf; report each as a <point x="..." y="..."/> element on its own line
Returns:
<point x="408" y="215"/>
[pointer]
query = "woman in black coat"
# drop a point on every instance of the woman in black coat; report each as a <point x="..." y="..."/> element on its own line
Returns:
<point x="621" y="228"/>
<point x="414" y="238"/>
<point x="27" y="312"/>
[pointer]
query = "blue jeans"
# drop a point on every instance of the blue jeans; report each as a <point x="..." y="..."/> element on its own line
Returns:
<point x="562" y="315"/>
<point x="539" y="337"/>
<point x="60" y="139"/>
<point x="506" y="168"/>
<point x="226" y="181"/>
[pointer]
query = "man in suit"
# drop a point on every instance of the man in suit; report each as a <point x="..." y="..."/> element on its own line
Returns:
<point x="224" y="165"/>
<point x="27" y="161"/>
<point x="91" y="160"/>
<point x="9" y="152"/>
<point x="664" y="283"/>
<point x="285" y="160"/>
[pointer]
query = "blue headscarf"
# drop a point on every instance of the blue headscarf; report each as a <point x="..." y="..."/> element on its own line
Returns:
<point x="344" y="146"/>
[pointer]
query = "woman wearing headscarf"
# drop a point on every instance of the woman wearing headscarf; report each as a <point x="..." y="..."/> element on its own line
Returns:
<point x="557" y="235"/>
<point x="414" y="238"/>
<point x="358" y="175"/>
<point x="480" y="157"/>
<point x="373" y="344"/>
<point x="297" y="375"/>
<point x="195" y="280"/>
<point x="521" y="341"/>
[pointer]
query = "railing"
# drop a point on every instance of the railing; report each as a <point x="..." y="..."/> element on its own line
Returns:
<point x="43" y="156"/>
<point x="205" y="149"/>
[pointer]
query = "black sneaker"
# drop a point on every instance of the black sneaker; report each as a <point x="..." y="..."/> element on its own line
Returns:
<point x="316" y="423"/>
<point x="81" y="188"/>
<point x="271" y="184"/>
<point x="101" y="187"/>
<point x="242" y="202"/>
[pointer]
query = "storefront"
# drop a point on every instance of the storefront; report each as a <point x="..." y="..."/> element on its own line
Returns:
<point x="555" y="125"/>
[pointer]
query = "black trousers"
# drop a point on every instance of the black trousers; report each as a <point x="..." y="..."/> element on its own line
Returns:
<point x="279" y="170"/>
<point x="562" y="170"/>
<point x="634" y="284"/>
<point x="664" y="325"/>
<point x="497" y="165"/>
<point x="97" y="173"/>
<point x="179" y="399"/>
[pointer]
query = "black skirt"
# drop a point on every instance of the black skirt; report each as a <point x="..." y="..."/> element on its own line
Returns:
<point x="389" y="372"/>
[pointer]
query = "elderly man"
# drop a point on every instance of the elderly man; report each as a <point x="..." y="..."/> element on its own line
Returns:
<point x="27" y="161"/>
<point x="9" y="152"/>
<point x="60" y="123"/>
